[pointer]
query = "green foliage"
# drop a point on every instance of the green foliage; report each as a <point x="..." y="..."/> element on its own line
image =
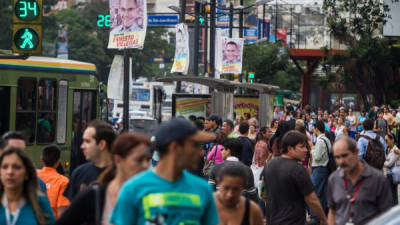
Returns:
<point x="271" y="66"/>
<point x="370" y="64"/>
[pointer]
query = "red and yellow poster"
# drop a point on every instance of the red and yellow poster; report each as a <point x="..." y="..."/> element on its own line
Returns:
<point x="244" y="105"/>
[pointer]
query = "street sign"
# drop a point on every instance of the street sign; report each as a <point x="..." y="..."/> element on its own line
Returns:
<point x="162" y="20"/>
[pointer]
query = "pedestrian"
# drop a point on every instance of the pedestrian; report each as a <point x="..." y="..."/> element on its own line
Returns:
<point x="55" y="182"/>
<point x="356" y="192"/>
<point x="233" y="208"/>
<point x="320" y="159"/>
<point x="215" y="155"/>
<point x="130" y="156"/>
<point x="366" y="140"/>
<point x="228" y="129"/>
<point x="261" y="151"/>
<point x="274" y="126"/>
<point x="168" y="194"/>
<point x="14" y="139"/>
<point x="213" y="124"/>
<point x="381" y="126"/>
<point x="275" y="141"/>
<point x="247" y="145"/>
<point x="392" y="160"/>
<point x="17" y="139"/>
<point x="360" y="120"/>
<point x="231" y="154"/>
<point x="21" y="197"/>
<point x="97" y="140"/>
<point x="290" y="191"/>
<point x="341" y="129"/>
<point x="353" y="124"/>
<point x="252" y="132"/>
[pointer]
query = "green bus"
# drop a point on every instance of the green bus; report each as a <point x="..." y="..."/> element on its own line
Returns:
<point x="50" y="101"/>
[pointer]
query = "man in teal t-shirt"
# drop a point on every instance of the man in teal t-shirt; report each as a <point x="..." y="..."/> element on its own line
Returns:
<point x="169" y="194"/>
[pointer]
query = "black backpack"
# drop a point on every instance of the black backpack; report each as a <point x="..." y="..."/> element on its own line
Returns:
<point x="331" y="162"/>
<point x="375" y="154"/>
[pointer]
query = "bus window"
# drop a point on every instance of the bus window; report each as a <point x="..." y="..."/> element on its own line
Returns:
<point x="62" y="111"/>
<point x="139" y="94"/>
<point x="26" y="108"/>
<point x="84" y="110"/>
<point x="46" y="122"/>
<point x="4" y="114"/>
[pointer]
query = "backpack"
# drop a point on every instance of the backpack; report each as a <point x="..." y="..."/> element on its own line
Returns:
<point x="375" y="154"/>
<point x="331" y="162"/>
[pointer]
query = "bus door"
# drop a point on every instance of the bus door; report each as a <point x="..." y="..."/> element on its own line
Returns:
<point x="84" y="110"/>
<point x="4" y="114"/>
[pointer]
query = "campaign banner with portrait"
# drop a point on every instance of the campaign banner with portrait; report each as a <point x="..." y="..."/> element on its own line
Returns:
<point x="231" y="55"/>
<point x="181" y="60"/>
<point x="128" y="21"/>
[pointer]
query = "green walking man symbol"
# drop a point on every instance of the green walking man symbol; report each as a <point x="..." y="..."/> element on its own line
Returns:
<point x="27" y="36"/>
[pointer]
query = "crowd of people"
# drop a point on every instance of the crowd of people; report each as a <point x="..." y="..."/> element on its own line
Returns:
<point x="307" y="167"/>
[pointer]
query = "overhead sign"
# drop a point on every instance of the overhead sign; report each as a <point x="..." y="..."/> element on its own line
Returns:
<point x="162" y="20"/>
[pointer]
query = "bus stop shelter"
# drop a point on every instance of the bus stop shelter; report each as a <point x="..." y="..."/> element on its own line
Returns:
<point x="222" y="96"/>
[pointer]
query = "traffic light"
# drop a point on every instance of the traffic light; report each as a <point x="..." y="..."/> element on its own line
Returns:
<point x="27" y="26"/>
<point x="189" y="19"/>
<point x="251" y="77"/>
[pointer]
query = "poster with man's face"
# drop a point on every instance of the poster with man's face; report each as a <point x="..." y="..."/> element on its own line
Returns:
<point x="232" y="51"/>
<point x="128" y="23"/>
<point x="181" y="60"/>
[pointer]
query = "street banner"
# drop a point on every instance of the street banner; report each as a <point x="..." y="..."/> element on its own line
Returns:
<point x="181" y="59"/>
<point x="231" y="55"/>
<point x="115" y="82"/>
<point x="251" y="20"/>
<point x="62" y="42"/>
<point x="128" y="20"/>
<point x="266" y="28"/>
<point x="250" y="35"/>
<point x="222" y="15"/>
<point x="245" y="105"/>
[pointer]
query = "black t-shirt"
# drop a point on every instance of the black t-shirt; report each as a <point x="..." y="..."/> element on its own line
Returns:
<point x="81" y="178"/>
<point x="286" y="182"/>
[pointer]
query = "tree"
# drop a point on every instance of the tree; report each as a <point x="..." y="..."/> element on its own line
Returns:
<point x="271" y="66"/>
<point x="370" y="64"/>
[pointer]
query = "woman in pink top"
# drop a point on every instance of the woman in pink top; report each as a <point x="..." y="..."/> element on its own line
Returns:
<point x="216" y="150"/>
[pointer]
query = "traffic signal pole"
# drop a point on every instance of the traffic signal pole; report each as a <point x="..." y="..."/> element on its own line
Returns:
<point x="212" y="38"/>
<point x="241" y="36"/>
<point x="196" y="38"/>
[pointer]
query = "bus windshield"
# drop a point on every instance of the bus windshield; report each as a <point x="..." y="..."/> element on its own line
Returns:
<point x="139" y="94"/>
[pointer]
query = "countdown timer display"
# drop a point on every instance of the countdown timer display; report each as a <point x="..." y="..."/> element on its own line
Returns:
<point x="27" y="9"/>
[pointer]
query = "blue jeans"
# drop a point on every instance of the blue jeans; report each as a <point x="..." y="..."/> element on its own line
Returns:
<point x="319" y="179"/>
<point x="394" y="188"/>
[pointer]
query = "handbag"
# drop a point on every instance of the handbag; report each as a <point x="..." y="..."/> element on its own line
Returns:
<point x="97" y="202"/>
<point x="208" y="167"/>
<point x="396" y="174"/>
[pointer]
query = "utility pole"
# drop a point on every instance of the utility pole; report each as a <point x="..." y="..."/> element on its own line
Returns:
<point x="230" y="19"/>
<point x="241" y="36"/>
<point x="125" y="116"/>
<point x="182" y="4"/>
<point x="212" y="37"/>
<point x="298" y="33"/>
<point x="276" y="20"/>
<point x="263" y="23"/>
<point x="291" y="26"/>
<point x="196" y="38"/>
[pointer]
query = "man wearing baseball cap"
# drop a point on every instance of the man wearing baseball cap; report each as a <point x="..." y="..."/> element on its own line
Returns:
<point x="169" y="194"/>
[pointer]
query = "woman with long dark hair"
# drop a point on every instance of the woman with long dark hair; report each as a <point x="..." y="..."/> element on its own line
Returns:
<point x="22" y="202"/>
<point x="130" y="156"/>
<point x="275" y="142"/>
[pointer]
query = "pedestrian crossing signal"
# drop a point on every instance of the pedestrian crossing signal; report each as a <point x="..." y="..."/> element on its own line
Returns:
<point x="251" y="77"/>
<point x="27" y="26"/>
